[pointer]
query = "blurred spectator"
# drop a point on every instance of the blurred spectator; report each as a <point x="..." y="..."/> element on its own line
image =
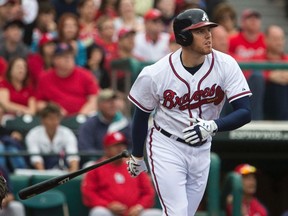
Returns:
<point x="3" y="67"/>
<point x="16" y="94"/>
<point x="251" y="206"/>
<point x="106" y="36"/>
<point x="126" y="44"/>
<point x="5" y="14"/>
<point x="96" y="64"/>
<point x="108" y="119"/>
<point x="107" y="8"/>
<point x="117" y="193"/>
<point x="88" y="28"/>
<point x="12" y="44"/>
<point x="276" y="100"/>
<point x="127" y="17"/>
<point x="73" y="88"/>
<point x="41" y="61"/>
<point x="220" y="39"/>
<point x="224" y="14"/>
<point x="10" y="206"/>
<point x="68" y="32"/>
<point x="11" y="141"/>
<point x="248" y="44"/>
<point x="44" y="24"/>
<point x="64" y="6"/>
<point x="173" y="46"/>
<point x="51" y="137"/>
<point x="153" y="43"/>
<point x="167" y="8"/>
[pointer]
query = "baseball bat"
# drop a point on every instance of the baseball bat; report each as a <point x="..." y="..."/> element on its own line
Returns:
<point x="59" y="180"/>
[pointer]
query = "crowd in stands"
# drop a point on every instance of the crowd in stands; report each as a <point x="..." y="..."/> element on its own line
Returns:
<point x="59" y="65"/>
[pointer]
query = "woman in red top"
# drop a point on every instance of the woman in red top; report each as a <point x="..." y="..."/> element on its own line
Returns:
<point x="16" y="95"/>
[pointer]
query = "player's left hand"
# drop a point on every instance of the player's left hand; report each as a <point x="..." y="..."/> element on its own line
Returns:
<point x="136" y="166"/>
<point x="199" y="131"/>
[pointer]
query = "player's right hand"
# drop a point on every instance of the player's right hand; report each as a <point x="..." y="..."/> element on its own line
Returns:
<point x="136" y="166"/>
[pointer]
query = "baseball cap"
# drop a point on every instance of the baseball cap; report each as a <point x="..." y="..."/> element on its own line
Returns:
<point x="46" y="38"/>
<point x="106" y="94"/>
<point x="14" y="22"/>
<point x="245" y="169"/>
<point x="152" y="14"/>
<point x="247" y="13"/>
<point x="114" y="138"/>
<point x="125" y="31"/>
<point x="62" y="48"/>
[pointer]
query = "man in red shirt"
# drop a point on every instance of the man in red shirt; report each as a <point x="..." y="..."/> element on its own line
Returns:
<point x="73" y="88"/>
<point x="245" y="46"/>
<point x="110" y="190"/>
<point x="251" y="206"/>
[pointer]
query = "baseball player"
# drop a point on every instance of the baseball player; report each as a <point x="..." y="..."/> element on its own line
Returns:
<point x="185" y="91"/>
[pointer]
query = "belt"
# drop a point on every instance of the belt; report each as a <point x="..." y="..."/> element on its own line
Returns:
<point x="167" y="134"/>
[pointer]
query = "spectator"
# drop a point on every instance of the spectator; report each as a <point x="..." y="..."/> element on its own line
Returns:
<point x="45" y="24"/>
<point x="10" y="206"/>
<point x="51" y="137"/>
<point x="107" y="8"/>
<point x="105" y="38"/>
<point x="173" y="46"/>
<point x="276" y="100"/>
<point x="117" y="193"/>
<point x="220" y="39"/>
<point x="16" y="94"/>
<point x="88" y="28"/>
<point x="12" y="45"/>
<point x="73" y="88"/>
<point x="248" y="44"/>
<point x="224" y="14"/>
<point x="108" y="119"/>
<point x="96" y="64"/>
<point x="153" y="43"/>
<point x="68" y="32"/>
<point x="167" y="8"/>
<point x="41" y="61"/>
<point x="127" y="17"/>
<point x="11" y="141"/>
<point x="250" y="204"/>
<point x="5" y="14"/>
<point x="64" y="6"/>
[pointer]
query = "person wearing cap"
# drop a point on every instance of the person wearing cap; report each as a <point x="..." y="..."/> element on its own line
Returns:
<point x="12" y="45"/>
<point x="251" y="206"/>
<point x="41" y="61"/>
<point x="110" y="190"/>
<point x="183" y="94"/>
<point x="248" y="44"/>
<point x="72" y="87"/>
<point x="109" y="118"/>
<point x="152" y="43"/>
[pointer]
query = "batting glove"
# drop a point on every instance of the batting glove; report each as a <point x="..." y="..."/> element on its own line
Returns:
<point x="136" y="166"/>
<point x="199" y="131"/>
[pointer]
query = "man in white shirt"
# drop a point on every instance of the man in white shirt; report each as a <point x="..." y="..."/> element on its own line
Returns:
<point x="51" y="137"/>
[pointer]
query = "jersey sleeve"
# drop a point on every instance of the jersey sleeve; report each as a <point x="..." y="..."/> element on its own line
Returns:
<point x="236" y="85"/>
<point x="143" y="91"/>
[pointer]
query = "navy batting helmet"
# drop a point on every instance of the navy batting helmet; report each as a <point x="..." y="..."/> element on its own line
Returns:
<point x="188" y="20"/>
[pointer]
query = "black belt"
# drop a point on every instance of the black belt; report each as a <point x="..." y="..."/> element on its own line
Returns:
<point x="166" y="133"/>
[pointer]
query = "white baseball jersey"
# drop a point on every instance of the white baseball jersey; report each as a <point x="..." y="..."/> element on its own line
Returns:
<point x="174" y="95"/>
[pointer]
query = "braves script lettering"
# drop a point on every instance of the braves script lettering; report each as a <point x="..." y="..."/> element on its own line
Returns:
<point x="204" y="96"/>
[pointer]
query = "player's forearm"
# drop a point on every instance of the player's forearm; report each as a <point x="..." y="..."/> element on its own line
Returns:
<point x="139" y="131"/>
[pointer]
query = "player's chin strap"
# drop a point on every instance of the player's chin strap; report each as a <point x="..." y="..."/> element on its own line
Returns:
<point x="199" y="131"/>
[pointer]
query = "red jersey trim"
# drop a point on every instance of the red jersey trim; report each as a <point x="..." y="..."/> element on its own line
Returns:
<point x="241" y="94"/>
<point x="138" y="104"/>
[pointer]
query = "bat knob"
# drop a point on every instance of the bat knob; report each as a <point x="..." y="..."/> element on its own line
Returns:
<point x="125" y="154"/>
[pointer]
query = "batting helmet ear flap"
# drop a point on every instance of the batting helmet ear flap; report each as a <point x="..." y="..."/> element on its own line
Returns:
<point x="185" y="38"/>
